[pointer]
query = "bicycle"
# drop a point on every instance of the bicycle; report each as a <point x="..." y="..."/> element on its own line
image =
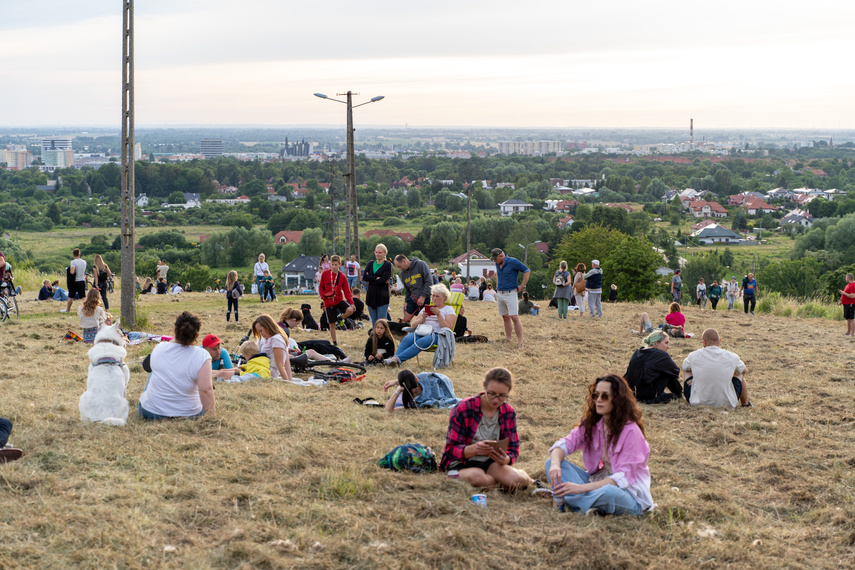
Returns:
<point x="8" y="301"/>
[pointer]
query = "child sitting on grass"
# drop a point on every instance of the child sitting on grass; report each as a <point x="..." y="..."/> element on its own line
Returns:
<point x="92" y="315"/>
<point x="380" y="344"/>
<point x="257" y="364"/>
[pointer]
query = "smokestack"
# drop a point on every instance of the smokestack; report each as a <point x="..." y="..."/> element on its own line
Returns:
<point x="691" y="131"/>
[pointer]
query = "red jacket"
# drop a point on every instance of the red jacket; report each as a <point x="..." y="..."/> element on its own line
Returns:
<point x="334" y="290"/>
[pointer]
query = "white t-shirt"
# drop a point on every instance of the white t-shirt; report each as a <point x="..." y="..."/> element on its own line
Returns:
<point x="352" y="268"/>
<point x="93" y="322"/>
<point x="260" y="267"/>
<point x="474" y="293"/>
<point x="162" y="270"/>
<point x="79" y="266"/>
<point x="712" y="369"/>
<point x="267" y="345"/>
<point x="433" y="321"/>
<point x="172" y="389"/>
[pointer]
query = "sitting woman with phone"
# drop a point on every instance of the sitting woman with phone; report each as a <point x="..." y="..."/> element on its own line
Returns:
<point x="432" y="318"/>
<point x="615" y="479"/>
<point x="482" y="441"/>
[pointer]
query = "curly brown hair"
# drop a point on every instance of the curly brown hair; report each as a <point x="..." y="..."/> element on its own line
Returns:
<point x="624" y="409"/>
<point x="92" y="302"/>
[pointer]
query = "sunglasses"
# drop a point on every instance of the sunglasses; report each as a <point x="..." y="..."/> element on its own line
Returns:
<point x="500" y="397"/>
<point x="604" y="396"/>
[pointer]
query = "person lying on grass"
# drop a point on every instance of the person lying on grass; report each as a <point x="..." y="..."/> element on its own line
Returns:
<point x="651" y="370"/>
<point x="477" y="422"/>
<point x="427" y="390"/>
<point x="610" y="434"/>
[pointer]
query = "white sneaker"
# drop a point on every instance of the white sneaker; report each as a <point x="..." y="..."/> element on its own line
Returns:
<point x="63" y="310"/>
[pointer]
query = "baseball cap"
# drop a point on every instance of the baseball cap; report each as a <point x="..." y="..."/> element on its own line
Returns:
<point x="595" y="262"/>
<point x="210" y="340"/>
<point x="496" y="253"/>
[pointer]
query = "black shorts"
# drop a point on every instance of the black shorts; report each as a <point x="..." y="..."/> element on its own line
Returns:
<point x="849" y="312"/>
<point x="77" y="290"/>
<point x="482" y="464"/>
<point x="334" y="312"/>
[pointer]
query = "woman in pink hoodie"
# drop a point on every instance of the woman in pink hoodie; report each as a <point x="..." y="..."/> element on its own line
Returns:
<point x="611" y="436"/>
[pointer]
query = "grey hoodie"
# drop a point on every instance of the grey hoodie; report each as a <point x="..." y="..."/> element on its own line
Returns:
<point x="417" y="279"/>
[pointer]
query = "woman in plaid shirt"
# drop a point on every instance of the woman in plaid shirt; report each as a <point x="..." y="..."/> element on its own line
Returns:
<point x="474" y="422"/>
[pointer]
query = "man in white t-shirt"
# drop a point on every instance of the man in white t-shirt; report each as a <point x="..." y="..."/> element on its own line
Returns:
<point x="352" y="269"/>
<point x="714" y="376"/>
<point x="77" y="279"/>
<point x="162" y="269"/>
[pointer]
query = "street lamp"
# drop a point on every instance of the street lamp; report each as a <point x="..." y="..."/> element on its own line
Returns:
<point x="525" y="247"/>
<point x="351" y="210"/>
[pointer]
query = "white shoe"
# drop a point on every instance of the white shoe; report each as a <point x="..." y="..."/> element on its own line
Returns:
<point x="63" y="310"/>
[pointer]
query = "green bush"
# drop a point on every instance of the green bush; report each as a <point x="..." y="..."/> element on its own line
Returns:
<point x="391" y="221"/>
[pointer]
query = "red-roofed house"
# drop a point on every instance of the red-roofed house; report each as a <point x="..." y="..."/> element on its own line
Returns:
<point x="756" y="206"/>
<point x="564" y="223"/>
<point x="704" y="209"/>
<point x="480" y="264"/>
<point x="287" y="236"/>
<point x="407" y="237"/>
<point x="565" y="205"/>
<point x="543" y="248"/>
<point x="701" y="225"/>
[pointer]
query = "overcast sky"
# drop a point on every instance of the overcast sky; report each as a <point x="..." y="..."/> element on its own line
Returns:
<point x="540" y="63"/>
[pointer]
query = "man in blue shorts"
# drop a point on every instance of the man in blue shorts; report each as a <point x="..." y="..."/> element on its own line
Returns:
<point x="508" y="270"/>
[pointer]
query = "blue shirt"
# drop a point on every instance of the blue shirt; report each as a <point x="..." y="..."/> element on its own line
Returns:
<point x="224" y="362"/>
<point x="509" y="273"/>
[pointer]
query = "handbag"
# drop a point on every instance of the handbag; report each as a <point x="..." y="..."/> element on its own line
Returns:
<point x="424" y="330"/>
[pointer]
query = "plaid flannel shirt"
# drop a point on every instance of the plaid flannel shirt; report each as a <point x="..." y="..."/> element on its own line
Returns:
<point x="463" y="424"/>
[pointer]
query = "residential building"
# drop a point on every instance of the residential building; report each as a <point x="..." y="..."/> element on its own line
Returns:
<point x="511" y="207"/>
<point x="797" y="217"/>
<point x="704" y="209"/>
<point x="716" y="234"/>
<point x="142" y="200"/>
<point x="55" y="143"/>
<point x="288" y="236"/>
<point x="58" y="158"/>
<point x="16" y="157"/>
<point x="480" y="264"/>
<point x="530" y="148"/>
<point x="211" y="148"/>
<point x="299" y="274"/>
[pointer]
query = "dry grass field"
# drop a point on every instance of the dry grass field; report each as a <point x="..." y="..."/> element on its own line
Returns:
<point x="286" y="476"/>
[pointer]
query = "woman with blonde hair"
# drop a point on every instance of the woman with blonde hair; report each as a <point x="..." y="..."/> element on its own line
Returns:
<point x="92" y="315"/>
<point x="437" y="316"/>
<point x="102" y="274"/>
<point x="259" y="269"/>
<point x="147" y="286"/>
<point x="273" y="342"/>
<point x="376" y="276"/>
<point x="563" y="291"/>
<point x="579" y="288"/>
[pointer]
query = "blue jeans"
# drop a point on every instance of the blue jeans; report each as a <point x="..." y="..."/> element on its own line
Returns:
<point x="60" y="295"/>
<point x="609" y="499"/>
<point x="259" y="282"/>
<point x="381" y="312"/>
<point x="411" y="345"/>
<point x="146" y="415"/>
<point x="351" y="281"/>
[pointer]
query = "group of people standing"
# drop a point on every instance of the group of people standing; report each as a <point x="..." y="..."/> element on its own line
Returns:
<point x="582" y="287"/>
<point x="732" y="290"/>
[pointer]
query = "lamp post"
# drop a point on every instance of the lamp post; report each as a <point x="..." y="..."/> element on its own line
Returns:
<point x="350" y="199"/>
<point x="525" y="247"/>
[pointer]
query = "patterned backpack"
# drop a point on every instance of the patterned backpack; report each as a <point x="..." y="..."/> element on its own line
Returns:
<point x="413" y="457"/>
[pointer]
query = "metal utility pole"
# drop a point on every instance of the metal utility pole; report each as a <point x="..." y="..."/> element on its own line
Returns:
<point x="350" y="199"/>
<point x="351" y="181"/>
<point x="129" y="314"/>
<point x="469" y="232"/>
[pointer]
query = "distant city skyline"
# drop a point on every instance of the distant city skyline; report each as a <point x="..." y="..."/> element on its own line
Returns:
<point x="546" y="64"/>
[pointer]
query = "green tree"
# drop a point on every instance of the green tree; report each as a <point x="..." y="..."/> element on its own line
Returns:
<point x="53" y="212"/>
<point x="794" y="278"/>
<point x="254" y="188"/>
<point x="592" y="242"/>
<point x="160" y="240"/>
<point x="176" y="198"/>
<point x="238" y="220"/>
<point x="632" y="265"/>
<point x="312" y="242"/>
<point x="236" y="248"/>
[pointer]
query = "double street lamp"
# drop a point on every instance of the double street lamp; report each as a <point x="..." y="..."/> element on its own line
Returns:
<point x="350" y="194"/>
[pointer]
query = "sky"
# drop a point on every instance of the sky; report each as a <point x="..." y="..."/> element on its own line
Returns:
<point x="541" y="63"/>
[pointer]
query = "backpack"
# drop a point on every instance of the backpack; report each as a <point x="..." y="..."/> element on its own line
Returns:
<point x="558" y="279"/>
<point x="339" y="374"/>
<point x="413" y="457"/>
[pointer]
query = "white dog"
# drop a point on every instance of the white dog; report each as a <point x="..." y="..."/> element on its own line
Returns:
<point x="105" y="399"/>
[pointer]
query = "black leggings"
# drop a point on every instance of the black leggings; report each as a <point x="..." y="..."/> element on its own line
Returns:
<point x="714" y="302"/>
<point x="5" y="429"/>
<point x="746" y="299"/>
<point x="229" y="310"/>
<point x="102" y="287"/>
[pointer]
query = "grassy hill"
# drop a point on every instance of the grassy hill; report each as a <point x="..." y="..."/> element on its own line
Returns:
<point x="286" y="476"/>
